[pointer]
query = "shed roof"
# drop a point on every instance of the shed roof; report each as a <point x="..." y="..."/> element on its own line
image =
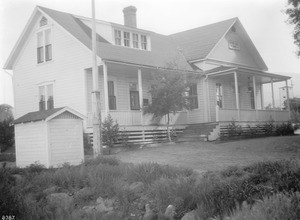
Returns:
<point x="44" y="115"/>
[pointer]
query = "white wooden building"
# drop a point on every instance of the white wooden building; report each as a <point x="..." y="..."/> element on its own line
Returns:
<point x="50" y="138"/>
<point x="52" y="67"/>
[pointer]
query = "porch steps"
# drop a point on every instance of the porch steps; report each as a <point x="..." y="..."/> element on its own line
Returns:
<point x="196" y="132"/>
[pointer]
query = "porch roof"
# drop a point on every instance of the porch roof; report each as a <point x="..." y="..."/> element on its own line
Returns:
<point x="264" y="76"/>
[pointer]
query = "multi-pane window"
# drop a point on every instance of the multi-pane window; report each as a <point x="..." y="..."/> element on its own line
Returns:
<point x="135" y="40"/>
<point x="144" y="42"/>
<point x="193" y="96"/>
<point x="131" y="39"/>
<point x="44" y="46"/>
<point x="126" y="39"/>
<point x="40" y="47"/>
<point x="46" y="100"/>
<point x="111" y="96"/>
<point x="118" y="37"/>
<point x="134" y="96"/>
<point x="219" y="95"/>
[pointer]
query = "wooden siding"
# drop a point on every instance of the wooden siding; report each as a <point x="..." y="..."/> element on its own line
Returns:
<point x="66" y="115"/>
<point x="66" y="70"/>
<point x="31" y="143"/>
<point x="121" y="83"/>
<point x="198" y="115"/>
<point x="65" y="142"/>
<point x="228" y="91"/>
<point x="239" y="57"/>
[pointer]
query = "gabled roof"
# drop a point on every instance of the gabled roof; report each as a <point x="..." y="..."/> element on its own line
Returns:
<point x="45" y="115"/>
<point x="198" y="43"/>
<point x="163" y="48"/>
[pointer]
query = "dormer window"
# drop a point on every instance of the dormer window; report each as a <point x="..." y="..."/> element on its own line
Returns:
<point x="118" y="37"/>
<point x="135" y="40"/>
<point x="44" y="46"/>
<point x="43" y="22"/>
<point x="126" y="39"/>
<point x="132" y="40"/>
<point x="144" y="42"/>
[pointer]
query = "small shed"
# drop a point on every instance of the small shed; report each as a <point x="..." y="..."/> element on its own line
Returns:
<point x="49" y="137"/>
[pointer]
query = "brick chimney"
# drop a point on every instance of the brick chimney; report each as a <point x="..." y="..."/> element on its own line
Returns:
<point x="130" y="16"/>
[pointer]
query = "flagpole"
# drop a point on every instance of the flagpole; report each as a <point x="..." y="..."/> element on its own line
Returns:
<point x="97" y="147"/>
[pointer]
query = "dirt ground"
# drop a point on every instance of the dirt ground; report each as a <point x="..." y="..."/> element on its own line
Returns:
<point x="204" y="156"/>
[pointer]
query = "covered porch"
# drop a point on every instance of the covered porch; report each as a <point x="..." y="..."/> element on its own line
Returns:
<point x="239" y="96"/>
<point x="124" y="91"/>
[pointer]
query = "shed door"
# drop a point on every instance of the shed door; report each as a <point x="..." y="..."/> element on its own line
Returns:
<point x="66" y="141"/>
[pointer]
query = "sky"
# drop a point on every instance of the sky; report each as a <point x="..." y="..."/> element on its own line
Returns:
<point x="263" y="20"/>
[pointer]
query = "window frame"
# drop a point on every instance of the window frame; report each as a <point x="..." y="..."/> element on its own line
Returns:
<point x="44" y="52"/>
<point x="125" y="39"/>
<point x="135" y="42"/>
<point x="118" y="37"/>
<point x="193" y="96"/>
<point x="144" y="44"/>
<point x="112" y="100"/>
<point x="47" y="101"/>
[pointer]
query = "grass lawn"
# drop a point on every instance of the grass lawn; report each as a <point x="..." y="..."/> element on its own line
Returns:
<point x="204" y="156"/>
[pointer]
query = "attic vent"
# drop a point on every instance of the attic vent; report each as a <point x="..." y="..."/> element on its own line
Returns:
<point x="233" y="29"/>
<point x="43" y="21"/>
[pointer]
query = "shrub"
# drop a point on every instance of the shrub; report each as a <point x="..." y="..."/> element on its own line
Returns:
<point x="7" y="157"/>
<point x="269" y="127"/>
<point x="149" y="172"/>
<point x="103" y="160"/>
<point x="279" y="206"/>
<point x="285" y="129"/>
<point x="234" y="129"/>
<point x="11" y="200"/>
<point x="88" y="147"/>
<point x="180" y="192"/>
<point x="110" y="132"/>
<point x="6" y="134"/>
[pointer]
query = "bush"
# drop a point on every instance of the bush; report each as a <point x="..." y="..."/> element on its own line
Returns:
<point x="180" y="192"/>
<point x="285" y="129"/>
<point x="110" y="132"/>
<point x="103" y="160"/>
<point x="279" y="206"/>
<point x="269" y="127"/>
<point x="147" y="173"/>
<point x="11" y="200"/>
<point x="234" y="129"/>
<point x="7" y="157"/>
<point x="6" y="134"/>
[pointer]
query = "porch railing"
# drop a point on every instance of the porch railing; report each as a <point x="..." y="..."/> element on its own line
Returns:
<point x="131" y="118"/>
<point x="249" y="115"/>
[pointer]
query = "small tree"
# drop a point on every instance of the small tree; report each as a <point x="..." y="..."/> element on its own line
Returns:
<point x="110" y="131"/>
<point x="168" y="95"/>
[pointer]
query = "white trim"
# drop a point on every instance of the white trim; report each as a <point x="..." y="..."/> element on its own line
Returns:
<point x="56" y="23"/>
<point x="217" y="44"/>
<point x="64" y="110"/>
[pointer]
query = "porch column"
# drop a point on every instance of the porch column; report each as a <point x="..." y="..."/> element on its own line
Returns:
<point x="105" y="87"/>
<point x="140" y="93"/>
<point x="288" y="98"/>
<point x="262" y="96"/>
<point x="273" y="101"/>
<point x="254" y="94"/>
<point x="236" y="88"/>
<point x="207" y="99"/>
